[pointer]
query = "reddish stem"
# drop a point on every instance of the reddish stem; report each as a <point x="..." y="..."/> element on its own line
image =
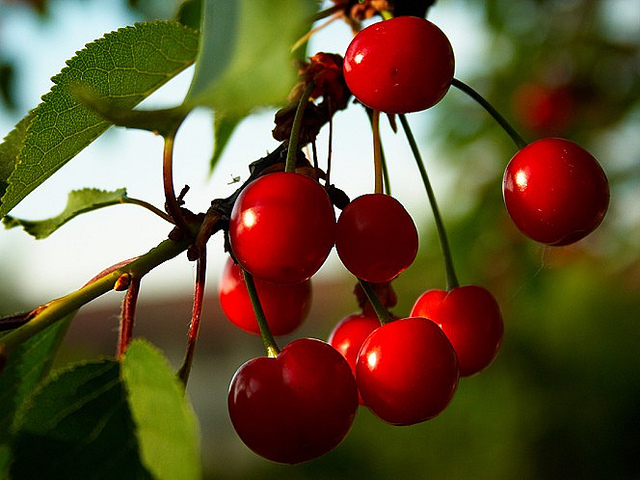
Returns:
<point x="127" y="317"/>
<point x="172" y="205"/>
<point x="194" y="328"/>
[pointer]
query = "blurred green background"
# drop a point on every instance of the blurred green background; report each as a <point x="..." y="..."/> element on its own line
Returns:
<point x="562" y="400"/>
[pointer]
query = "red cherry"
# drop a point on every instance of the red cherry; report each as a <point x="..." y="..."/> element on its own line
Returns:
<point x="470" y="318"/>
<point x="401" y="65"/>
<point x="407" y="371"/>
<point x="282" y="227"/>
<point x="544" y="108"/>
<point x="555" y="191"/>
<point x="285" y="306"/>
<point x="376" y="238"/>
<point x="349" y="334"/>
<point x="296" y="406"/>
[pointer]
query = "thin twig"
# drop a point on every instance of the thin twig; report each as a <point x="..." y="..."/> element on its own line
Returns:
<point x="194" y="328"/>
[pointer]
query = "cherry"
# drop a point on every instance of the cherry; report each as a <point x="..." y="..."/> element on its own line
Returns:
<point x="470" y="318"/>
<point x="544" y="108"/>
<point x="296" y="406"/>
<point x="401" y="65"/>
<point x="376" y="238"/>
<point x="555" y="191"/>
<point x="349" y="334"/>
<point x="407" y="371"/>
<point x="285" y="306"/>
<point x="282" y="227"/>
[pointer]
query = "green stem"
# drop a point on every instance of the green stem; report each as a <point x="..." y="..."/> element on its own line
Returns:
<point x="292" y="149"/>
<point x="452" y="280"/>
<point x="506" y="126"/>
<point x="265" y="332"/>
<point x="377" y="152"/>
<point x="55" y="310"/>
<point x="381" y="311"/>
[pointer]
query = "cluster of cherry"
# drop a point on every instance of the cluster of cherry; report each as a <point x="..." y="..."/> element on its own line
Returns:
<point x="299" y="402"/>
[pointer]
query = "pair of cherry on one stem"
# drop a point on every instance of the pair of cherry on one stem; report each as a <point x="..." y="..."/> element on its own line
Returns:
<point x="301" y="404"/>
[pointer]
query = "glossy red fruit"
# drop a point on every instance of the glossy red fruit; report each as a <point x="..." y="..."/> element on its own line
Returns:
<point x="470" y="318"/>
<point x="407" y="371"/>
<point x="282" y="227"/>
<point x="349" y="334"/>
<point x="555" y="191"/>
<point x="376" y="238"/>
<point x="285" y="306"/>
<point x="297" y="406"/>
<point x="401" y="65"/>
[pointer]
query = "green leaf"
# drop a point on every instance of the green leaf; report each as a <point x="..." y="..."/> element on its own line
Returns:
<point x="10" y="149"/>
<point x="78" y="202"/>
<point x="78" y="426"/>
<point x="245" y="60"/>
<point x="125" y="66"/>
<point x="223" y="128"/>
<point x="165" y="424"/>
<point x="25" y="368"/>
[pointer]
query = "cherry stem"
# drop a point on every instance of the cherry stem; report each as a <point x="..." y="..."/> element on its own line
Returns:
<point x="506" y="126"/>
<point x="452" y="279"/>
<point x="327" y="12"/>
<point x="148" y="206"/>
<point x="194" y="328"/>
<point x="292" y="149"/>
<point x="329" y="152"/>
<point x="386" y="14"/>
<point x="307" y="36"/>
<point x="383" y="162"/>
<point x="172" y="205"/>
<point x="383" y="314"/>
<point x="377" y="151"/>
<point x="265" y="332"/>
<point x="127" y="317"/>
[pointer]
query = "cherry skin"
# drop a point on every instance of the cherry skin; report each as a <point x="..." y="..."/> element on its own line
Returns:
<point x="282" y="227"/>
<point x="349" y="334"/>
<point x="401" y="65"/>
<point x="555" y="191"/>
<point x="470" y="318"/>
<point x="407" y="371"/>
<point x="296" y="406"/>
<point x="376" y="238"/>
<point x="285" y="306"/>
